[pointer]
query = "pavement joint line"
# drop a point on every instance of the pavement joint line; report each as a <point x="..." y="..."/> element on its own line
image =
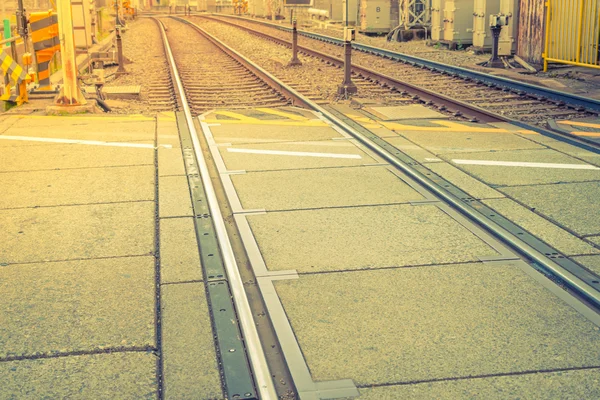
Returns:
<point x="182" y="282"/>
<point x="525" y="164"/>
<point x="158" y="320"/>
<point x="75" y="168"/>
<point x="343" y="207"/>
<point x="548" y="184"/>
<point x="293" y="153"/>
<point x="110" y="350"/>
<point x="389" y="268"/>
<point x="80" y="204"/>
<point x="83" y="142"/>
<point x="75" y="259"/>
<point x="462" y="378"/>
<point x="425" y="202"/>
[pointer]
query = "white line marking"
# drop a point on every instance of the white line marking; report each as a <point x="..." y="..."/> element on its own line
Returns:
<point x="293" y="153"/>
<point x="525" y="164"/>
<point x="433" y="159"/>
<point x="86" y="142"/>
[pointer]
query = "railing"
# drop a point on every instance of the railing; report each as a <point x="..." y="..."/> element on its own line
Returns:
<point x="572" y="32"/>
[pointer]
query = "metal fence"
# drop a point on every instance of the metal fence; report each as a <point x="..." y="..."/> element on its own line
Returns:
<point x="572" y="32"/>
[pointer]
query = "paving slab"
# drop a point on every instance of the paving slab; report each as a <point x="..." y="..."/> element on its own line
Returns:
<point x="267" y="133"/>
<point x="590" y="262"/>
<point x="95" y="185"/>
<point x="470" y="185"/>
<point x="409" y="148"/>
<point x="73" y="306"/>
<point x="411" y="111"/>
<point x="174" y="197"/>
<point x="95" y="376"/>
<point x="550" y="233"/>
<point x="328" y="187"/>
<point x="190" y="363"/>
<point x="65" y="156"/>
<point x="352" y="154"/>
<point x="594" y="239"/>
<point x="170" y="162"/>
<point x="582" y="154"/>
<point x="573" y="385"/>
<point x="72" y="128"/>
<point x="179" y="258"/>
<point x="573" y="205"/>
<point x="516" y="175"/>
<point x="427" y="323"/>
<point x="362" y="238"/>
<point x="75" y="232"/>
<point x="441" y="141"/>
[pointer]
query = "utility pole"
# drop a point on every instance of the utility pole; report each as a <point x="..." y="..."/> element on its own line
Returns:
<point x="70" y="94"/>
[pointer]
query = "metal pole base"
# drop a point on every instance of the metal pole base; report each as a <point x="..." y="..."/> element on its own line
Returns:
<point x="347" y="88"/>
<point x="294" y="62"/>
<point x="495" y="61"/>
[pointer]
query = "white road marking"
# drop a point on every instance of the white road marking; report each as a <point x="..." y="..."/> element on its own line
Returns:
<point x="293" y="153"/>
<point x="433" y="159"/>
<point x="525" y="164"/>
<point x="86" y="142"/>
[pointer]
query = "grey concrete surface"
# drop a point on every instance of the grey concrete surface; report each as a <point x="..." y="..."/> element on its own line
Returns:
<point x="573" y="205"/>
<point x="574" y="151"/>
<point x="174" y="197"/>
<point x="407" y="147"/>
<point x="555" y="236"/>
<point x="95" y="185"/>
<point x="362" y="238"/>
<point x="441" y="141"/>
<point x="590" y="262"/>
<point x="329" y="187"/>
<point x="465" y="182"/>
<point x="65" y="156"/>
<point x="412" y="111"/>
<point x="96" y="376"/>
<point x="566" y="385"/>
<point x="85" y="128"/>
<point x="411" y="324"/>
<point x="513" y="176"/>
<point x="167" y="130"/>
<point x="190" y="364"/>
<point x="179" y="259"/>
<point x="594" y="239"/>
<point x="170" y="162"/>
<point x="74" y="232"/>
<point x="258" y="162"/>
<point x="267" y="133"/>
<point x="74" y="306"/>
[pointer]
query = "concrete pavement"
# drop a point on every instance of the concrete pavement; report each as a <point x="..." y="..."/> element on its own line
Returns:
<point x="99" y="267"/>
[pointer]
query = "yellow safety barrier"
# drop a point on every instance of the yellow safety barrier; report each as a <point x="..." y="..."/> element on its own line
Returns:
<point x="13" y="71"/>
<point x="44" y="34"/>
<point x="572" y="32"/>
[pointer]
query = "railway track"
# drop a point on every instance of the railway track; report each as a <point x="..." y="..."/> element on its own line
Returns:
<point x="253" y="79"/>
<point x="483" y="98"/>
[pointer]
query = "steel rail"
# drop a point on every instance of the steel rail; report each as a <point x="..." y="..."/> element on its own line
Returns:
<point x="254" y="347"/>
<point x="572" y="281"/>
<point x="425" y="96"/>
<point x="540" y="91"/>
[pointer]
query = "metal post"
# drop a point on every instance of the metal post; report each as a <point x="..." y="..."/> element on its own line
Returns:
<point x="294" y="60"/>
<point x="121" y="60"/>
<point x="495" y="61"/>
<point x="347" y="87"/>
<point x="70" y="94"/>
